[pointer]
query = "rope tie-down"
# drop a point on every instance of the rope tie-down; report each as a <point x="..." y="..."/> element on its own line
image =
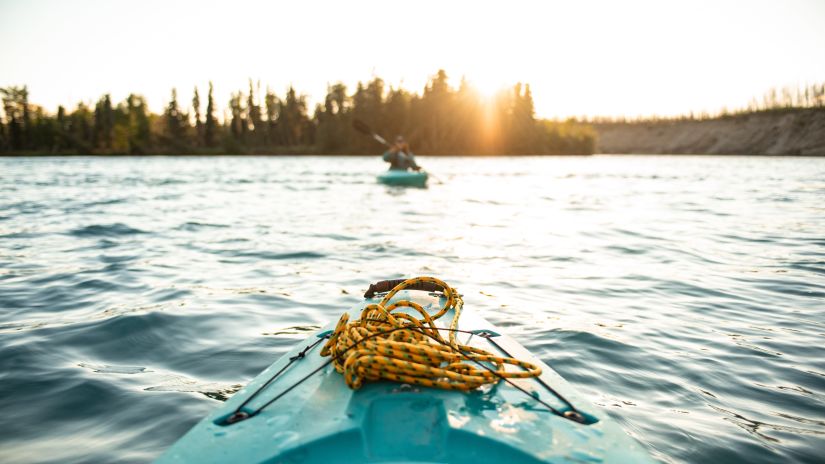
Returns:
<point x="392" y="345"/>
<point x="384" y="344"/>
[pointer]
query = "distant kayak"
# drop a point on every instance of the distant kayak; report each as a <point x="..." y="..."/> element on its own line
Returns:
<point x="404" y="178"/>
<point x="329" y="401"/>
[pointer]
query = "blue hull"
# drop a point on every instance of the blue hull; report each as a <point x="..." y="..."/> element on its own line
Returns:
<point x="404" y="178"/>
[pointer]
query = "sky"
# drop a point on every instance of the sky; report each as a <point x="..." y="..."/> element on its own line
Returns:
<point x="581" y="58"/>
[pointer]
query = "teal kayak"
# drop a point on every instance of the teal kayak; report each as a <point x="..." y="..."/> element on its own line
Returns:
<point x="404" y="178"/>
<point x="300" y="410"/>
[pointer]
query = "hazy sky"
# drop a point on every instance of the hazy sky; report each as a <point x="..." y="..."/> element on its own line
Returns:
<point x="581" y="57"/>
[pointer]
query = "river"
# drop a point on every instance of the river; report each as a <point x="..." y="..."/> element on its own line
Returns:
<point x="684" y="295"/>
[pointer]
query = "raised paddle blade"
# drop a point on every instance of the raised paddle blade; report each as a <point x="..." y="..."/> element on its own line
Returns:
<point x="361" y="127"/>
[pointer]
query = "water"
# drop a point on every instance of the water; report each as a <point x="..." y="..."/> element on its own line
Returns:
<point x="684" y="295"/>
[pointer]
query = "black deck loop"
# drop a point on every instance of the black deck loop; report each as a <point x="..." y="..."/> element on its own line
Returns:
<point x="237" y="416"/>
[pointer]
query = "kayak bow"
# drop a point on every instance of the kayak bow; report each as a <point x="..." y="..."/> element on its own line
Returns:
<point x="300" y="409"/>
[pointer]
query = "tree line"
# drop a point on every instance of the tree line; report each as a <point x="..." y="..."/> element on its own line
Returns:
<point x="441" y="120"/>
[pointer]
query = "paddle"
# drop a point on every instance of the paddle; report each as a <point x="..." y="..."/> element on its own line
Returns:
<point x="363" y="128"/>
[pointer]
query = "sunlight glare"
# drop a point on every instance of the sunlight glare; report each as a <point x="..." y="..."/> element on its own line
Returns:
<point x="488" y="84"/>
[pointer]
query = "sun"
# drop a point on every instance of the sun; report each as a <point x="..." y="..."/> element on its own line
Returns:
<point x="487" y="84"/>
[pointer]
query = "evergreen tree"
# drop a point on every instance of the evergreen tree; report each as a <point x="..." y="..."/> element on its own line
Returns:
<point x="42" y="131"/>
<point x="16" y="107"/>
<point x="210" y="125"/>
<point x="81" y="129"/>
<point x="139" y="129"/>
<point x="522" y="124"/>
<point x="471" y="122"/>
<point x="196" y="108"/>
<point x="397" y="112"/>
<point x="436" y="103"/>
<point x="332" y="122"/>
<point x="254" y="120"/>
<point x="62" y="141"/>
<point x="103" y="123"/>
<point x="238" y="125"/>
<point x="273" y="110"/>
<point x="3" y="136"/>
<point x="176" y="121"/>
<point x="293" y="119"/>
<point x="24" y="102"/>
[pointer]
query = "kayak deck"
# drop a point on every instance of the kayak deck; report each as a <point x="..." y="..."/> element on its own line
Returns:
<point x="321" y="420"/>
<point x="404" y="178"/>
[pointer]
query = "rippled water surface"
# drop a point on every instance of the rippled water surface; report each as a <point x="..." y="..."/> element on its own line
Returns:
<point x="684" y="295"/>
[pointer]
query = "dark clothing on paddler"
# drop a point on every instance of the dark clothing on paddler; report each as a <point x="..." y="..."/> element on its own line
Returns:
<point x="400" y="161"/>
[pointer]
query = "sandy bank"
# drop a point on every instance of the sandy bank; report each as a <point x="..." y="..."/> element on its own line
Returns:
<point x="779" y="132"/>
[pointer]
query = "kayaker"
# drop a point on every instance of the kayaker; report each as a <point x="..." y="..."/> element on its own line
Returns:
<point x="400" y="157"/>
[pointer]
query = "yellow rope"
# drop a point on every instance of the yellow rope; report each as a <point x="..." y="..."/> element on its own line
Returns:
<point x="400" y="347"/>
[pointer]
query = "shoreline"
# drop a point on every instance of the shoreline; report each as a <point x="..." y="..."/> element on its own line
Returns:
<point x="786" y="132"/>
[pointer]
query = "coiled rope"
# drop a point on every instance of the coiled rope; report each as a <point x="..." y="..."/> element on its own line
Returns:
<point x="403" y="348"/>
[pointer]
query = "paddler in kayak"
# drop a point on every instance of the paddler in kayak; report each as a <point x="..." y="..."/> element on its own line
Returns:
<point x="400" y="157"/>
